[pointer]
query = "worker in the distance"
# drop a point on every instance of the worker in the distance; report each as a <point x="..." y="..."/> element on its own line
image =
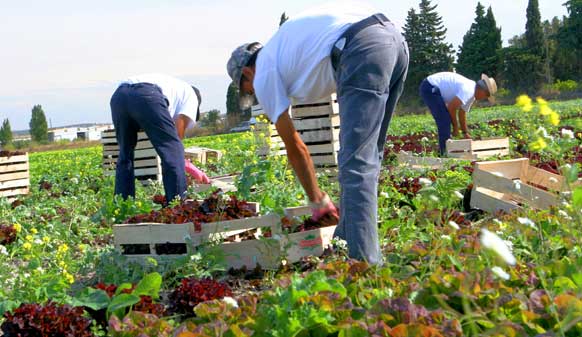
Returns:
<point x="164" y="107"/>
<point x="449" y="96"/>
<point x="364" y="58"/>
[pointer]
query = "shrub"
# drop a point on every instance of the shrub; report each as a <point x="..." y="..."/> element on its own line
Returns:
<point x="566" y="86"/>
<point x="50" y="319"/>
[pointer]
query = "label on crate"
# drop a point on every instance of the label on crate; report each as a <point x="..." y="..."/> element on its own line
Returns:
<point x="310" y="241"/>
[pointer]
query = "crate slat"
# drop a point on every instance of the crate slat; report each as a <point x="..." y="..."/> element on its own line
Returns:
<point x="14" y="159"/>
<point x="14" y="167"/>
<point x="19" y="183"/>
<point x="14" y="192"/>
<point x="491" y="201"/>
<point x="14" y="176"/>
<point x="478" y="149"/>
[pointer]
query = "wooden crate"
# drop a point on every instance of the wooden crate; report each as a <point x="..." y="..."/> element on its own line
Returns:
<point x="296" y="246"/>
<point x="147" y="239"/>
<point x="147" y="163"/>
<point x="514" y="183"/>
<point x="14" y="176"/>
<point x="478" y="149"/>
<point x="417" y="162"/>
<point x="202" y="155"/>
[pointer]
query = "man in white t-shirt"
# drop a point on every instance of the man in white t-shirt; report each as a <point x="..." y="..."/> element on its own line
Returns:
<point x="164" y="107"/>
<point x="335" y="48"/>
<point x="446" y="93"/>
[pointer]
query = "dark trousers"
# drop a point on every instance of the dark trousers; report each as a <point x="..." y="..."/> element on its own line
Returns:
<point x="431" y="96"/>
<point x="143" y="106"/>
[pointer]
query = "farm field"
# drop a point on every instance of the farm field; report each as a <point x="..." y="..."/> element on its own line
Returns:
<point x="448" y="270"/>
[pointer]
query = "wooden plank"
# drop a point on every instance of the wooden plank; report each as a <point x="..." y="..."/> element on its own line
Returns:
<point x="147" y="171"/>
<point x="141" y="145"/>
<point x="109" y="137"/>
<point x="14" y="192"/>
<point x="109" y="163"/>
<point x="14" y="159"/>
<point x="319" y="160"/>
<point x="146" y="153"/>
<point x="14" y="183"/>
<point x="491" y="201"/>
<point x="324" y="148"/>
<point x="317" y="123"/>
<point x="14" y="176"/>
<point x="490" y="143"/>
<point x="319" y="136"/>
<point x="215" y="228"/>
<point x="313" y="111"/>
<point x="553" y="182"/>
<point x="297" y="211"/>
<point x="14" y="167"/>
<point x="460" y="145"/>
<point x="490" y="153"/>
<point x="511" y="169"/>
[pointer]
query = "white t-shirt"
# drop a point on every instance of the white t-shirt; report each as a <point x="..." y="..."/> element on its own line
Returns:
<point x="454" y="85"/>
<point x="181" y="97"/>
<point x="295" y="63"/>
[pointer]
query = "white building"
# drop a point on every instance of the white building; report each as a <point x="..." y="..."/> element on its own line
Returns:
<point x="78" y="132"/>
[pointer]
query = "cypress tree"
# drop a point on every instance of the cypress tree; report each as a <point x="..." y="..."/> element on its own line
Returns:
<point x="534" y="34"/>
<point x="38" y="125"/>
<point x="469" y="60"/>
<point x="429" y="53"/>
<point x="5" y="133"/>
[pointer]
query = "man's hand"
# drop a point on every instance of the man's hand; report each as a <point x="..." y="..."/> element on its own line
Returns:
<point x="196" y="173"/>
<point x="455" y="133"/>
<point x="466" y="135"/>
<point x="322" y="208"/>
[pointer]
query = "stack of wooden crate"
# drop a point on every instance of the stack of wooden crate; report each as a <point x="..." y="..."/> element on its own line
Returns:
<point x="14" y="176"/>
<point x="477" y="149"/>
<point x="147" y="163"/>
<point x="512" y="184"/>
<point x="202" y="155"/>
<point x="318" y="125"/>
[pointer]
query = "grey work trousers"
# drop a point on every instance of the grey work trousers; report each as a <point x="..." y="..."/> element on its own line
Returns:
<point x="370" y="76"/>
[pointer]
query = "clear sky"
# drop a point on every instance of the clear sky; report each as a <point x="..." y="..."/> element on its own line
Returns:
<point x="68" y="55"/>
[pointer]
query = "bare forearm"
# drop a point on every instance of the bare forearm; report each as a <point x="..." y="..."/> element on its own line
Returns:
<point x="463" y="121"/>
<point x="300" y="160"/>
<point x="299" y="157"/>
<point x="453" y="114"/>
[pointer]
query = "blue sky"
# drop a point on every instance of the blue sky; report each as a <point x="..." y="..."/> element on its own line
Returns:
<point x="68" y="55"/>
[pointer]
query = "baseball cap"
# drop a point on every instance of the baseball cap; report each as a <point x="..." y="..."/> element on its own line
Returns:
<point x="238" y="60"/>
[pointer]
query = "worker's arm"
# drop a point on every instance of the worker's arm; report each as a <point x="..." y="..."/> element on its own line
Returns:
<point x="453" y="106"/>
<point x="463" y="122"/>
<point x="182" y="123"/>
<point x="299" y="157"/>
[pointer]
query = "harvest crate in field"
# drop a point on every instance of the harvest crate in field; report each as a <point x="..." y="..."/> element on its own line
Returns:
<point x="511" y="184"/>
<point x="477" y="149"/>
<point x="171" y="240"/>
<point x="295" y="246"/>
<point x="14" y="175"/>
<point x="147" y="163"/>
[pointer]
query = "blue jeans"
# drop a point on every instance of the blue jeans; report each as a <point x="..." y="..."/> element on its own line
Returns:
<point x="143" y="106"/>
<point x="370" y="77"/>
<point x="431" y="96"/>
